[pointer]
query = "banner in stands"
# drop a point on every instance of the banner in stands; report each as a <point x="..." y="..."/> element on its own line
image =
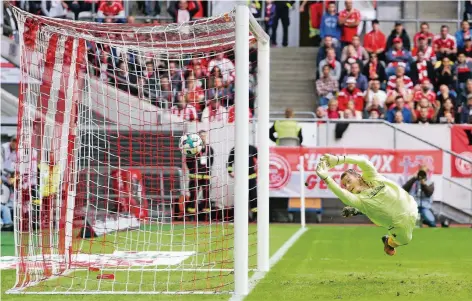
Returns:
<point x="461" y="143"/>
<point x="397" y="165"/>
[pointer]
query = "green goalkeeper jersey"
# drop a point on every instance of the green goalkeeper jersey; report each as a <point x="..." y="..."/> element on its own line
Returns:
<point x="385" y="203"/>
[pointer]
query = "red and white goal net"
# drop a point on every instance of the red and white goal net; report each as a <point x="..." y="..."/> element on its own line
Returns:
<point x="106" y="202"/>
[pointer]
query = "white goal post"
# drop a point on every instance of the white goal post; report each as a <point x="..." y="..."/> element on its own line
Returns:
<point x="245" y="23"/>
<point x="102" y="201"/>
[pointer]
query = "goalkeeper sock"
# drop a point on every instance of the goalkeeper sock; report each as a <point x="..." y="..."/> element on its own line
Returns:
<point x="391" y="243"/>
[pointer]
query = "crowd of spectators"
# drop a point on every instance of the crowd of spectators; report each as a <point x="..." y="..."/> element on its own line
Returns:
<point x="193" y="89"/>
<point x="190" y="88"/>
<point x="110" y="11"/>
<point x="424" y="80"/>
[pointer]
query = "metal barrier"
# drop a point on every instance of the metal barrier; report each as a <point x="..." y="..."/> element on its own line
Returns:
<point x="464" y="187"/>
<point x="395" y="130"/>
<point x="419" y="20"/>
<point x="280" y="114"/>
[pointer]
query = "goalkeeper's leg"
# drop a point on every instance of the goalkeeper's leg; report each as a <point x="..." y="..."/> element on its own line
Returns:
<point x="398" y="236"/>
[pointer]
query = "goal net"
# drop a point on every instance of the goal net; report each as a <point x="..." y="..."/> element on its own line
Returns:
<point x="105" y="200"/>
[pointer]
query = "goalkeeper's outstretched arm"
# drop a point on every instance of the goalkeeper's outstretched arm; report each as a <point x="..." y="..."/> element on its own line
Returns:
<point x="345" y="196"/>
<point x="368" y="170"/>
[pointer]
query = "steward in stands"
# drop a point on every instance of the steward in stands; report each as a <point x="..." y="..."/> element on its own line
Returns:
<point x="286" y="128"/>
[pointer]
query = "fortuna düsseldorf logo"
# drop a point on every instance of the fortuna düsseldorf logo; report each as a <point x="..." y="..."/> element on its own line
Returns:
<point x="463" y="167"/>
<point x="279" y="171"/>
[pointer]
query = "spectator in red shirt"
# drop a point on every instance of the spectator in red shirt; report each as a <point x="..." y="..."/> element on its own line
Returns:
<point x="351" y="93"/>
<point x="399" y="32"/>
<point x="184" y="110"/>
<point x="425" y="92"/>
<point x="349" y="20"/>
<point x="375" y="41"/>
<point x="424" y="103"/>
<point x="422" y="116"/>
<point x="111" y="9"/>
<point x="399" y="74"/>
<point x="421" y="69"/>
<point x="445" y="44"/>
<point x="333" y="110"/>
<point x="428" y="51"/>
<point x="424" y="31"/>
<point x="232" y="111"/>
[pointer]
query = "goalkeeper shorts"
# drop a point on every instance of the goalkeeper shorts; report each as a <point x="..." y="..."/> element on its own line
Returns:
<point x="402" y="234"/>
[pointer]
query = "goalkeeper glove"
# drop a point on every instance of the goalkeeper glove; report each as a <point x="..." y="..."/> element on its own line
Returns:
<point x="332" y="161"/>
<point x="350" y="211"/>
<point x="322" y="170"/>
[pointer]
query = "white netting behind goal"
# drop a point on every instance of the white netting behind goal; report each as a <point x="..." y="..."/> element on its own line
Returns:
<point x="106" y="203"/>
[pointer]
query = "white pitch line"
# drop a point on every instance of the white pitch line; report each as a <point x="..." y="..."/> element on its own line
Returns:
<point x="273" y="261"/>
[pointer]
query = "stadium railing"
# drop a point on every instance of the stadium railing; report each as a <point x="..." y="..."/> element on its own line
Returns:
<point x="327" y="125"/>
<point x="461" y="216"/>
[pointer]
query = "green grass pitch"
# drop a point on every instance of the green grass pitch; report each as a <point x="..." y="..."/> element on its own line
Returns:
<point x="344" y="263"/>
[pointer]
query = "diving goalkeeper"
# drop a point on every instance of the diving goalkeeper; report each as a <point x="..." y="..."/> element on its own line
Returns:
<point x="384" y="202"/>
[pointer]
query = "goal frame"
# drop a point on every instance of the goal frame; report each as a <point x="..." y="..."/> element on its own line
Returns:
<point x="245" y="22"/>
<point x="246" y="25"/>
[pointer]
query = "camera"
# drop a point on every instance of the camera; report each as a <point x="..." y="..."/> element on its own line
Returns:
<point x="421" y="175"/>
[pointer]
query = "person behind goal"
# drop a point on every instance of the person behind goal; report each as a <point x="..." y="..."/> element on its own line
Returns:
<point x="199" y="168"/>
<point x="383" y="201"/>
<point x="252" y="179"/>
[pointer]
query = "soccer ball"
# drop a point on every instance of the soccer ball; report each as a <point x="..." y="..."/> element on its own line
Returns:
<point x="190" y="144"/>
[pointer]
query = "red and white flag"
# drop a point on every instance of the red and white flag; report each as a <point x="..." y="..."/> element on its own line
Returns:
<point x="461" y="143"/>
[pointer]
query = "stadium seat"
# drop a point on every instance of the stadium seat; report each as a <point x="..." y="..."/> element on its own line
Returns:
<point x="70" y="15"/>
<point x="85" y="15"/>
<point x="289" y="141"/>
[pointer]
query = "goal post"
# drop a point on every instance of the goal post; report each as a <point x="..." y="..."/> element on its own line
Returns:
<point x="105" y="201"/>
